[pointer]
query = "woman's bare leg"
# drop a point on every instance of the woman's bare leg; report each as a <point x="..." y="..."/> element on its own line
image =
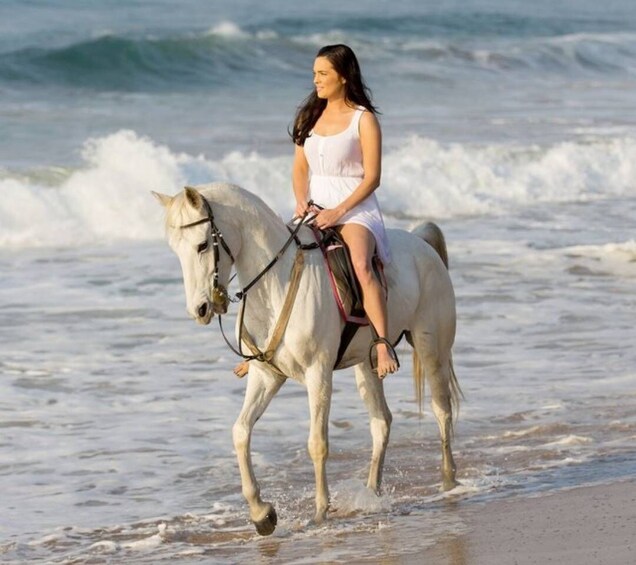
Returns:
<point x="361" y="245"/>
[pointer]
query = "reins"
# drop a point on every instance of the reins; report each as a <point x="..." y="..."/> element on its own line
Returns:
<point x="241" y="296"/>
<point x="293" y="237"/>
<point x="221" y="294"/>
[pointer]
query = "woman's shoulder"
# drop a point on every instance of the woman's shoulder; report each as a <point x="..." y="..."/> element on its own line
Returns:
<point x="368" y="119"/>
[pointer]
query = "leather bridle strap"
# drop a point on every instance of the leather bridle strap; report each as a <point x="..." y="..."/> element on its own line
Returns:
<point x="267" y="356"/>
<point x="216" y="233"/>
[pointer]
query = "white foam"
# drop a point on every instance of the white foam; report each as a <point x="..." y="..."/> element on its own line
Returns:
<point x="616" y="258"/>
<point x="108" y="197"/>
<point x="557" y="463"/>
<point x="45" y="540"/>
<point x="570" y="440"/>
<point x="227" y="29"/>
<point x="105" y="547"/>
<point x="445" y="180"/>
<point x="613" y="38"/>
<point x="353" y="496"/>
<point x="520" y="433"/>
<point x="149" y="542"/>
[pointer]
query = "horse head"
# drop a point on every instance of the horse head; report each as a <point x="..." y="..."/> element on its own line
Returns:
<point x="196" y="237"/>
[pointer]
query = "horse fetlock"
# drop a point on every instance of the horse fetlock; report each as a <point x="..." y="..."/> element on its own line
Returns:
<point x="373" y="484"/>
<point x="266" y="520"/>
<point x="320" y="517"/>
<point x="449" y="483"/>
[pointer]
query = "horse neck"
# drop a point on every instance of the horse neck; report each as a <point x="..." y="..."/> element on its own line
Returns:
<point x="263" y="234"/>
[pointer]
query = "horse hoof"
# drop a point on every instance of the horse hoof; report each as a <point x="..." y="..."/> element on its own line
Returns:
<point x="319" y="520"/>
<point x="267" y="525"/>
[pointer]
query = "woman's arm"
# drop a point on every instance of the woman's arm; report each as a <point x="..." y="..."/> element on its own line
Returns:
<point x="371" y="143"/>
<point x="300" y="180"/>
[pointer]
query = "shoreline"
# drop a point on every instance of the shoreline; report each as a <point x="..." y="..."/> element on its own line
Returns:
<point x="582" y="525"/>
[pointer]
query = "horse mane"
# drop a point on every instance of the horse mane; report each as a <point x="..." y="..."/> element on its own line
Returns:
<point x="225" y="197"/>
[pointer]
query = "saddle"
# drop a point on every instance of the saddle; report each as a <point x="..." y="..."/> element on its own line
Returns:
<point x="344" y="283"/>
<point x="347" y="294"/>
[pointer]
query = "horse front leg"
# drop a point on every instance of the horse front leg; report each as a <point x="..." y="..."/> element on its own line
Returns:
<point x="319" y="390"/>
<point x="371" y="389"/>
<point x="261" y="388"/>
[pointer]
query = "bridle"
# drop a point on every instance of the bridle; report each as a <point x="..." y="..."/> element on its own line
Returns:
<point x="220" y="294"/>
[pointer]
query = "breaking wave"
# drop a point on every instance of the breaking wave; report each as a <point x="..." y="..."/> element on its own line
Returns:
<point x="108" y="198"/>
<point x="227" y="54"/>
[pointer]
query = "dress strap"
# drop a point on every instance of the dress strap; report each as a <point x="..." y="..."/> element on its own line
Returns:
<point x="355" y="121"/>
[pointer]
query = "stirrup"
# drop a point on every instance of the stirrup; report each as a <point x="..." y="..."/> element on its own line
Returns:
<point x="392" y="353"/>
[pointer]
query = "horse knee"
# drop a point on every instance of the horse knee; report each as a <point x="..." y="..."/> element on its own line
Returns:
<point x="318" y="449"/>
<point x="380" y="429"/>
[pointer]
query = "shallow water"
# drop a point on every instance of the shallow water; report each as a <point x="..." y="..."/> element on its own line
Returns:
<point x="117" y="410"/>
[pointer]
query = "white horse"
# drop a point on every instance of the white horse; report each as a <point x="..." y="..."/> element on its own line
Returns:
<point x="235" y="226"/>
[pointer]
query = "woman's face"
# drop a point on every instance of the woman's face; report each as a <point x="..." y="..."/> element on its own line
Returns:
<point x="329" y="84"/>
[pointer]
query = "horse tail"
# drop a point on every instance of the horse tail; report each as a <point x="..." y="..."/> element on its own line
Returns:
<point x="456" y="393"/>
<point x="433" y="235"/>
<point x="455" y="389"/>
<point x="418" y="380"/>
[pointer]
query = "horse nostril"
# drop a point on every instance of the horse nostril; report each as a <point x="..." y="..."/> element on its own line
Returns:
<point x="203" y="310"/>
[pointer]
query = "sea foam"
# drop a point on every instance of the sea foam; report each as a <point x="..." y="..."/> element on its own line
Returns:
<point x="108" y="197"/>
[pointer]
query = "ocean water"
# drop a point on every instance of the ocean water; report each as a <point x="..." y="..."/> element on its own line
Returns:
<point x="511" y="125"/>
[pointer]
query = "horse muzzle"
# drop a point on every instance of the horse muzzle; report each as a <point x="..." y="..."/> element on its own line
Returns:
<point x="204" y="313"/>
<point x="219" y="305"/>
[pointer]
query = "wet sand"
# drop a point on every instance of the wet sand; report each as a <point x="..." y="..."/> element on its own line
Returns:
<point x="585" y="525"/>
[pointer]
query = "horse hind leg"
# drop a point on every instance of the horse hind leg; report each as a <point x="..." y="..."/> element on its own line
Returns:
<point x="442" y="408"/>
<point x="261" y="388"/>
<point x="371" y="389"/>
<point x="445" y="393"/>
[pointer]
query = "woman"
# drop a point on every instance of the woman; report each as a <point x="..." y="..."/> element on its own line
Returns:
<point x="337" y="164"/>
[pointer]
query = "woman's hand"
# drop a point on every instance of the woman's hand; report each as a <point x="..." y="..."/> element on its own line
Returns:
<point x="301" y="208"/>
<point x="328" y="218"/>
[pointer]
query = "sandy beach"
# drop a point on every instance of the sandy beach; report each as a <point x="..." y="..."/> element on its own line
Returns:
<point x="584" y="525"/>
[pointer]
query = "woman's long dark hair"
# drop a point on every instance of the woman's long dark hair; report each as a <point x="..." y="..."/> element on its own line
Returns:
<point x="345" y="63"/>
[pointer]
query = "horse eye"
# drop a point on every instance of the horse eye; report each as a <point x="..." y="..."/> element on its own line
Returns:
<point x="202" y="247"/>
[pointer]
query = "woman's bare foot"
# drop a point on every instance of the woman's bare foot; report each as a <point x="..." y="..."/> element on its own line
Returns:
<point x="241" y="369"/>
<point x="387" y="361"/>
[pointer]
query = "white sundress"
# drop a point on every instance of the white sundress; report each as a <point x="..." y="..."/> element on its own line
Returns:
<point x="335" y="165"/>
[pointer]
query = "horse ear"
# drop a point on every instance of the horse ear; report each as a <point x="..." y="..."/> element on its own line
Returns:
<point x="193" y="197"/>
<point x="163" y="199"/>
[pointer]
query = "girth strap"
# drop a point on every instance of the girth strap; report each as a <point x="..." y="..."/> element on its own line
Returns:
<point x="281" y="325"/>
